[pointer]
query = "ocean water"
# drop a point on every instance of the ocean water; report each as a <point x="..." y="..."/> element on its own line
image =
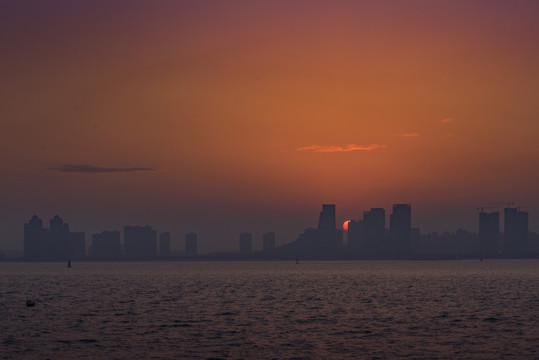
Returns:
<point x="271" y="310"/>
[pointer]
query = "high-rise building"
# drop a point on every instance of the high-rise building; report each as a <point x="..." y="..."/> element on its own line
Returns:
<point x="356" y="236"/>
<point x="515" y="235"/>
<point x="268" y="241"/>
<point x="374" y="225"/>
<point x="400" y="224"/>
<point x="106" y="245"/>
<point x="55" y="243"/>
<point x="34" y="236"/>
<point x="191" y="244"/>
<point x="164" y="244"/>
<point x="58" y="238"/>
<point x="140" y="242"/>
<point x="246" y="243"/>
<point x="326" y="220"/>
<point x="489" y="230"/>
<point x="327" y="231"/>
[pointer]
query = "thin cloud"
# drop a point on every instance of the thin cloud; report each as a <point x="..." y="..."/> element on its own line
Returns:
<point x="347" y="148"/>
<point x="447" y="120"/>
<point x="90" y="169"/>
<point x="410" y="134"/>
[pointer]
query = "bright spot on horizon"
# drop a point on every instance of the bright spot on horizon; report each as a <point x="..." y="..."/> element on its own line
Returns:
<point x="345" y="225"/>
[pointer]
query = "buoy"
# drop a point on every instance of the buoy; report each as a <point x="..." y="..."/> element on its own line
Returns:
<point x="30" y="302"/>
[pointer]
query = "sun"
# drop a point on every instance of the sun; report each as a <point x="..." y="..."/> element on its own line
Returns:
<point x="345" y="224"/>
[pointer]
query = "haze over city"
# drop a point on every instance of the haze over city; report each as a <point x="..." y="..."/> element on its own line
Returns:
<point x="221" y="118"/>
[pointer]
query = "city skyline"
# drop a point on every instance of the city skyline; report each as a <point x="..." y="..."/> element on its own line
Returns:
<point x="249" y="115"/>
<point x="368" y="237"/>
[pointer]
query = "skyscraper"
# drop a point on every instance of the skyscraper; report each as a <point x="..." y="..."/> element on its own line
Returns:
<point x="515" y="235"/>
<point x="58" y="238"/>
<point x="327" y="230"/>
<point x="191" y="244"/>
<point x="400" y="224"/>
<point x="356" y="236"/>
<point x="374" y="224"/>
<point x="489" y="230"/>
<point x="140" y="242"/>
<point x="34" y="235"/>
<point x="56" y="243"/>
<point x="326" y="220"/>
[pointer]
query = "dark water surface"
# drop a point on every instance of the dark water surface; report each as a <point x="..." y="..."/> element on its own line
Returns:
<point x="265" y="310"/>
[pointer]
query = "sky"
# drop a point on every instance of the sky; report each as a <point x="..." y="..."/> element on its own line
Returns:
<point x="220" y="117"/>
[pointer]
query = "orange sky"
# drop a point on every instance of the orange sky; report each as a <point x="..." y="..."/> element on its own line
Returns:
<point x="254" y="114"/>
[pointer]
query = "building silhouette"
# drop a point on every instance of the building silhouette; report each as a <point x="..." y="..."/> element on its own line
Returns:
<point x="515" y="235"/>
<point x="268" y="241"/>
<point x="34" y="238"/>
<point x="164" y="244"/>
<point x="246" y="243"/>
<point x="106" y="245"/>
<point x="55" y="243"/>
<point x="191" y="244"/>
<point x="326" y="221"/>
<point x="327" y="230"/>
<point x="374" y="227"/>
<point x="140" y="242"/>
<point x="489" y="230"/>
<point x="356" y="237"/>
<point x="400" y="225"/>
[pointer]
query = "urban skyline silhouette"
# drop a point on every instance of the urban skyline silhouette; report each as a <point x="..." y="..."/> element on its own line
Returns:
<point x="366" y="238"/>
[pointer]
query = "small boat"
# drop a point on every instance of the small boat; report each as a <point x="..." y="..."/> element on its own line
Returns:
<point x="30" y="302"/>
<point x="68" y="263"/>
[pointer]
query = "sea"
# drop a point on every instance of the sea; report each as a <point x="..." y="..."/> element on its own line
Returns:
<point x="461" y="309"/>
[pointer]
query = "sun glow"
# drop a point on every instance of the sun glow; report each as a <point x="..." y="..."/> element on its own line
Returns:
<point x="345" y="225"/>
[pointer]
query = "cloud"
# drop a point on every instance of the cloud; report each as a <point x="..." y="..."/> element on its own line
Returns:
<point x="447" y="120"/>
<point x="347" y="148"/>
<point x="90" y="169"/>
<point x="410" y="134"/>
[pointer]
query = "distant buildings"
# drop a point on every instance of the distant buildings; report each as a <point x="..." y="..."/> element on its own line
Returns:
<point x="191" y="244"/>
<point x="246" y="243"/>
<point x="356" y="236"/>
<point x="140" y="242"/>
<point x="374" y="228"/>
<point x="326" y="221"/>
<point x="55" y="243"/>
<point x="327" y="230"/>
<point x="400" y="227"/>
<point x="515" y="235"/>
<point x="368" y="238"/>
